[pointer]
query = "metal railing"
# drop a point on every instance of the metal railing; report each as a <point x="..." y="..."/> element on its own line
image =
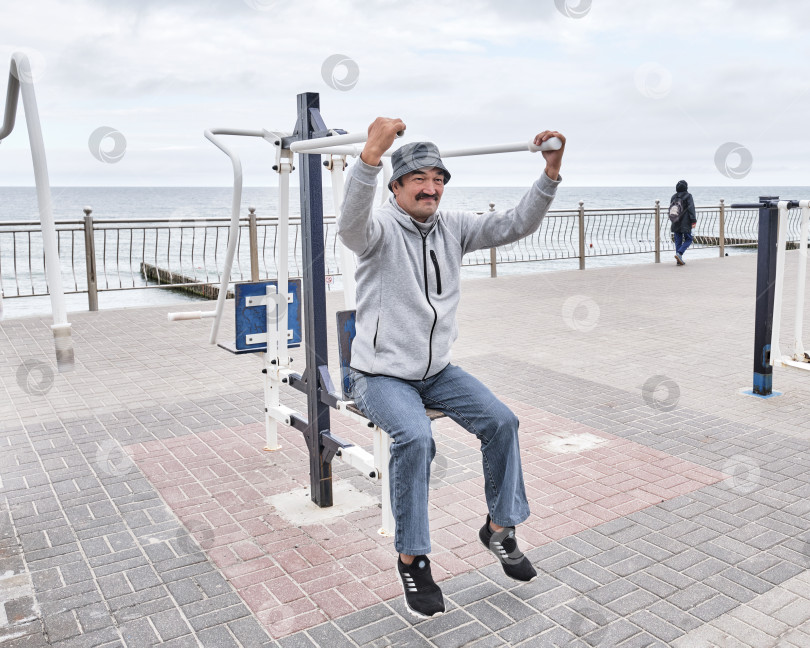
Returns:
<point x="113" y="255"/>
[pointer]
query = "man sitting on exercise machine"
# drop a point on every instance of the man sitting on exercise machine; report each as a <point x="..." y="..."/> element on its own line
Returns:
<point x="408" y="280"/>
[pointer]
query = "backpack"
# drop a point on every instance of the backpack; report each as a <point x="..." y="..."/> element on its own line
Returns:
<point x="676" y="209"/>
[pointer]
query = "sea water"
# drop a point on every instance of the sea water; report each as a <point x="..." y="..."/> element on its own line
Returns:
<point x="19" y="203"/>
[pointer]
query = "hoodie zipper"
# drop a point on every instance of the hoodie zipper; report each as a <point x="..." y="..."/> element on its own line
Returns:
<point x="438" y="274"/>
<point x="427" y="296"/>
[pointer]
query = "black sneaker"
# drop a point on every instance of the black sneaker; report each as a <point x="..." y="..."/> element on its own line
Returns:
<point x="423" y="598"/>
<point x="504" y="545"/>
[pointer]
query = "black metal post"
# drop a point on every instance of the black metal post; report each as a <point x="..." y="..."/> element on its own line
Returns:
<point x="766" y="284"/>
<point x="320" y="471"/>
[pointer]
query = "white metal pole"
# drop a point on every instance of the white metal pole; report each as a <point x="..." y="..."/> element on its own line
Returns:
<point x="387" y="173"/>
<point x="324" y="144"/>
<point x="798" y="346"/>
<point x="283" y="247"/>
<point x="348" y="262"/>
<point x="272" y="384"/>
<point x="551" y="144"/>
<point x="305" y="146"/>
<point x="382" y="462"/>
<point x="277" y="356"/>
<point x="21" y="73"/>
<point x="190" y="315"/>
<point x="346" y="149"/>
<point x="776" y="353"/>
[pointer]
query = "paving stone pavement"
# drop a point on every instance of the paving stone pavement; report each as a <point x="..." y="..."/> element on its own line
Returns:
<point x="95" y="550"/>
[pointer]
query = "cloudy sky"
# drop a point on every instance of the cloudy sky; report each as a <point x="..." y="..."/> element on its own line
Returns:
<point x="645" y="90"/>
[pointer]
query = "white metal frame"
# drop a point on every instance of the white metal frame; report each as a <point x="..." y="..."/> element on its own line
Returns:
<point x="276" y="359"/>
<point x="799" y="359"/>
<point x="346" y="145"/>
<point x="20" y="83"/>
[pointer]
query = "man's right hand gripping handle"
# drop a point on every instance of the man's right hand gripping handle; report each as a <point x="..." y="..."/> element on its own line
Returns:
<point x="381" y="135"/>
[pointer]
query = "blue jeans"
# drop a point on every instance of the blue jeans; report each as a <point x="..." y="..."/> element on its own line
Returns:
<point x="682" y="241"/>
<point x="398" y="407"/>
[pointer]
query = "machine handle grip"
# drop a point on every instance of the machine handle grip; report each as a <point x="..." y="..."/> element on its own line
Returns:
<point x="551" y="144"/>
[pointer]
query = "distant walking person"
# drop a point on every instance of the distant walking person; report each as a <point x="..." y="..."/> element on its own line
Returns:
<point x="682" y="215"/>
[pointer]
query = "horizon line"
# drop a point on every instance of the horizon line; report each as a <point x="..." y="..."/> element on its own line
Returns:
<point x="509" y="186"/>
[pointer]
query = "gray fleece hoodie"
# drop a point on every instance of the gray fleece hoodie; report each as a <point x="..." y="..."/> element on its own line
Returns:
<point x="408" y="281"/>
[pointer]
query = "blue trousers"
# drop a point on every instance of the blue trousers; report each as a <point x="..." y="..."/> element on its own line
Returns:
<point x="398" y="407"/>
<point x="682" y="241"/>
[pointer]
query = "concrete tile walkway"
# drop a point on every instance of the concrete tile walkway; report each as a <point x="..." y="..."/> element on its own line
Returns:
<point x="668" y="509"/>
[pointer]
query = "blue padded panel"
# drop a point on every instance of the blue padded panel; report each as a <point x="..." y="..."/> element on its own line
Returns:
<point x="253" y="319"/>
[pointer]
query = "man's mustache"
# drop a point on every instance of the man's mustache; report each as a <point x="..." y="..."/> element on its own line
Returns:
<point x="421" y="196"/>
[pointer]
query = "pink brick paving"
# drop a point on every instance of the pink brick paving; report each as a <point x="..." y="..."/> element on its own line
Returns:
<point x="294" y="578"/>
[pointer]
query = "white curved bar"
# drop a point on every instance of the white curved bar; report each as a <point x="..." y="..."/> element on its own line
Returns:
<point x="233" y="231"/>
<point x="19" y="82"/>
<point x="245" y="132"/>
<point x="236" y="201"/>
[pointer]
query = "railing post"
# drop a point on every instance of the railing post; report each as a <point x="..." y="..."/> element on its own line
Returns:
<point x="493" y="255"/>
<point x="722" y="228"/>
<point x="658" y="231"/>
<point x="581" y="219"/>
<point x="254" y="245"/>
<point x="90" y="259"/>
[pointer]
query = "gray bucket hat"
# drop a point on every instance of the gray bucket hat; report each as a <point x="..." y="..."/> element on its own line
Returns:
<point x="413" y="156"/>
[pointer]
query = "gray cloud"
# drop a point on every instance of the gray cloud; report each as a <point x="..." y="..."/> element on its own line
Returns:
<point x="161" y="71"/>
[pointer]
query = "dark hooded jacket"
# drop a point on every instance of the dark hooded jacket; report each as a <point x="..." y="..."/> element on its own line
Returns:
<point x="684" y="225"/>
